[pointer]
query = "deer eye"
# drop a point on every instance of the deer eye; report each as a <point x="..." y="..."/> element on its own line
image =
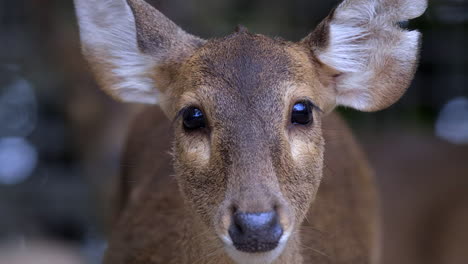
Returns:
<point x="193" y="118"/>
<point x="302" y="113"/>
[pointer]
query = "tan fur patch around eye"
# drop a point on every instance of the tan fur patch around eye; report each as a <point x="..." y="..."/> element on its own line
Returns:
<point x="196" y="147"/>
<point x="198" y="151"/>
<point x="303" y="150"/>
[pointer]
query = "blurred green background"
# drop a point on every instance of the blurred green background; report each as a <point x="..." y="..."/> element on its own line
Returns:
<point x="60" y="137"/>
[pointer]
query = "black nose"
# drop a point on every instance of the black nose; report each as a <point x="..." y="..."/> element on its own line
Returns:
<point x="255" y="232"/>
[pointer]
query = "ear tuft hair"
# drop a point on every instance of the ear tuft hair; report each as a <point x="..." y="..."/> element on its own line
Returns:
<point x="125" y="42"/>
<point x="361" y="39"/>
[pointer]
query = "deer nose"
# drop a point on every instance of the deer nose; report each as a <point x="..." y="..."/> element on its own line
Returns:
<point x="255" y="232"/>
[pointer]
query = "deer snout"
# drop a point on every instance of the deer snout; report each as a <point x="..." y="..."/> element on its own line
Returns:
<point x="255" y="232"/>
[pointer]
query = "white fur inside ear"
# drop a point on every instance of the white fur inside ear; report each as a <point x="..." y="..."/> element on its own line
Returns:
<point x="108" y="35"/>
<point x="356" y="90"/>
<point x="376" y="59"/>
<point x="354" y="24"/>
<point x="347" y="51"/>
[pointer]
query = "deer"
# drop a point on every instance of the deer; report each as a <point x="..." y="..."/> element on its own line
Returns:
<point x="238" y="155"/>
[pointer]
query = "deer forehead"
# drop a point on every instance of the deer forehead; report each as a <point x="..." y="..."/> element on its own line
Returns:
<point x="245" y="72"/>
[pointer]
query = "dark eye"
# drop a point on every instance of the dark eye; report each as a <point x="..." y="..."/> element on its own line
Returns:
<point x="193" y="118"/>
<point x="302" y="113"/>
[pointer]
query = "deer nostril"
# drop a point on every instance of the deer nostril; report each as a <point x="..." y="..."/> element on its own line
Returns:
<point x="255" y="232"/>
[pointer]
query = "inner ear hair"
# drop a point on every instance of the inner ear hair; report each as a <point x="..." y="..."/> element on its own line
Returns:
<point x="375" y="58"/>
<point x="131" y="47"/>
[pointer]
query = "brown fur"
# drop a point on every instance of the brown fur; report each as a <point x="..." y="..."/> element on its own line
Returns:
<point x="249" y="157"/>
<point x="156" y="226"/>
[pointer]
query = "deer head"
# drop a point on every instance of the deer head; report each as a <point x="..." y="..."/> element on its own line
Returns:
<point x="247" y="109"/>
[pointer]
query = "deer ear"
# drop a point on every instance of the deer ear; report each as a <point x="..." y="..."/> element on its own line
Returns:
<point x="131" y="46"/>
<point x="373" y="58"/>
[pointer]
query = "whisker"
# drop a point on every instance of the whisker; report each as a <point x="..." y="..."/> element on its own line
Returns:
<point x="316" y="251"/>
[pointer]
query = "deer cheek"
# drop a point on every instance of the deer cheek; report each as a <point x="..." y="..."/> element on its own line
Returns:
<point x="302" y="183"/>
<point x="201" y="183"/>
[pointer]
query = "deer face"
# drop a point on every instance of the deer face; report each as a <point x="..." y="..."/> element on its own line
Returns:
<point x="247" y="109"/>
<point x="248" y="149"/>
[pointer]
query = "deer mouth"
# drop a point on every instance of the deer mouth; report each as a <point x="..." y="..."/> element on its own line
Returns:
<point x="254" y="252"/>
